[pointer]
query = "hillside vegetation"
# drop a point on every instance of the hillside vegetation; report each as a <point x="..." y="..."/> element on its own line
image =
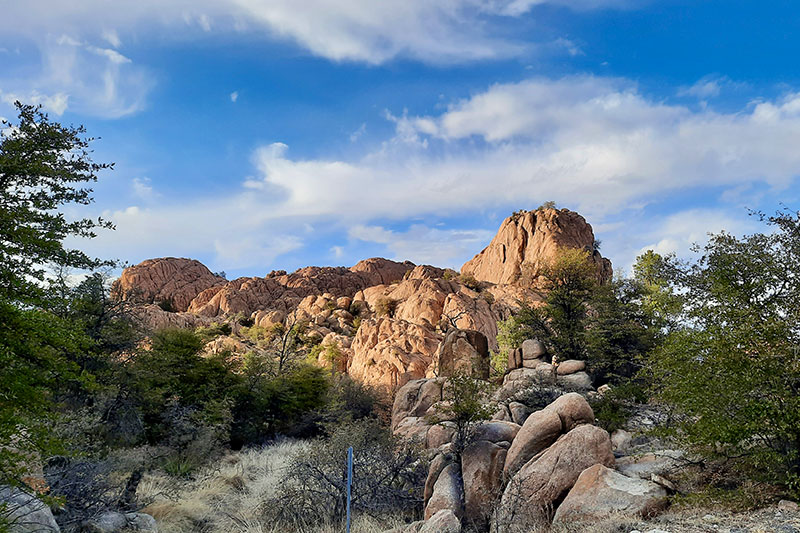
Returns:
<point x="507" y="397"/>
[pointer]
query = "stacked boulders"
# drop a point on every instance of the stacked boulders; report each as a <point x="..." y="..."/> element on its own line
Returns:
<point x="555" y="466"/>
<point x="530" y="365"/>
<point x="463" y="351"/>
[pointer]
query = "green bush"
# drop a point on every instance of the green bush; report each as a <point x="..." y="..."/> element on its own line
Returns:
<point x="730" y="364"/>
<point x="385" y="306"/>
<point x="469" y="281"/>
<point x="209" y="333"/>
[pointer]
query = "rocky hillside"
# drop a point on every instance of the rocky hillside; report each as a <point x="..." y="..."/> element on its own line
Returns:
<point x="388" y="318"/>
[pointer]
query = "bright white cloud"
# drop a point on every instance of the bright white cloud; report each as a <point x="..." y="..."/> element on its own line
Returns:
<point x="340" y="30"/>
<point x="594" y="144"/>
<point x="56" y="103"/>
<point x="677" y="232"/>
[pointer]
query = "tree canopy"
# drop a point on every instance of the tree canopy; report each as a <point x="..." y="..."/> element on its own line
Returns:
<point x="43" y="167"/>
<point x="731" y="364"/>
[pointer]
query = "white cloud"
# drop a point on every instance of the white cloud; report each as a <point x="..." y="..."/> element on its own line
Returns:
<point x="422" y="244"/>
<point x="55" y="103"/>
<point x="111" y="37"/>
<point x="678" y="232"/>
<point x="83" y="77"/>
<point x="234" y="96"/>
<point x="340" y="30"/>
<point x="143" y="190"/>
<point x="593" y="144"/>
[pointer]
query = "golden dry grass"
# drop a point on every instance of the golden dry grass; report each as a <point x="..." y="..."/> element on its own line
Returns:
<point x="230" y="496"/>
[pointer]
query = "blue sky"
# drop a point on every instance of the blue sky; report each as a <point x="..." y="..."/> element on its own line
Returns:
<point x="270" y="134"/>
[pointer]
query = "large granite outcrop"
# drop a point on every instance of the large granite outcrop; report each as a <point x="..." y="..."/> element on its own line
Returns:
<point x="530" y="240"/>
<point x="171" y="281"/>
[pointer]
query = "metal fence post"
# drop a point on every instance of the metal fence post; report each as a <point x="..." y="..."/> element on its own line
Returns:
<point x="349" y="482"/>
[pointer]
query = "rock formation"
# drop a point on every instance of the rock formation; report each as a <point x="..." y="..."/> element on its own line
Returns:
<point x="171" y="281"/>
<point x="388" y="319"/>
<point x="528" y="240"/>
<point x="600" y="492"/>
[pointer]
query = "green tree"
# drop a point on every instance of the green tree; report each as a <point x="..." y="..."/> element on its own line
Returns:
<point x="466" y="405"/>
<point x="653" y="273"/>
<point x="620" y="331"/>
<point x="43" y="168"/>
<point x="566" y="284"/>
<point x="731" y="365"/>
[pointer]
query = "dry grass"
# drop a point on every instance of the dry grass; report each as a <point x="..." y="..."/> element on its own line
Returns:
<point x="231" y="496"/>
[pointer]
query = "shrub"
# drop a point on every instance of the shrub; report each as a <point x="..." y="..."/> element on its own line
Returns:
<point x="469" y="281"/>
<point x="388" y="477"/>
<point x="385" y="306"/>
<point x="213" y="331"/>
<point x="269" y="405"/>
<point x="356" y="307"/>
<point x="466" y="405"/>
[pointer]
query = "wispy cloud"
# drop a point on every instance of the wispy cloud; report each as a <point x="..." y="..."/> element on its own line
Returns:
<point x="347" y="30"/>
<point x="83" y="77"/>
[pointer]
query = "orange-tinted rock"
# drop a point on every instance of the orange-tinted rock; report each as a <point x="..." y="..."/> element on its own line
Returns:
<point x="533" y="238"/>
<point x="540" y="430"/>
<point x="547" y="478"/>
<point x="415" y="398"/>
<point x="284" y="292"/>
<point x="173" y="281"/>
<point x="388" y="353"/>
<point x="463" y="351"/>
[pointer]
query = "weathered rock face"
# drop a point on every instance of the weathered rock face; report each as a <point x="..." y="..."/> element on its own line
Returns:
<point x="540" y="430"/>
<point x="545" y="479"/>
<point x="437" y="465"/>
<point x="174" y="281"/>
<point x="496" y="431"/>
<point x="445" y="521"/>
<point x="415" y="398"/>
<point x="283" y="292"/>
<point x="462" y="351"/>
<point x="572" y="409"/>
<point x="600" y="491"/>
<point x="388" y="353"/>
<point x="432" y="302"/>
<point x="532" y="238"/>
<point x="448" y="493"/>
<point x="482" y="472"/>
<point x="152" y="318"/>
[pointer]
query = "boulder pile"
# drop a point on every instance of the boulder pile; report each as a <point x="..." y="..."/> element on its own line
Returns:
<point x="557" y="466"/>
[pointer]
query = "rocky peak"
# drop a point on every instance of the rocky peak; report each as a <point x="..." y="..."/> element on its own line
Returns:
<point x="532" y="238"/>
<point x="170" y="280"/>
